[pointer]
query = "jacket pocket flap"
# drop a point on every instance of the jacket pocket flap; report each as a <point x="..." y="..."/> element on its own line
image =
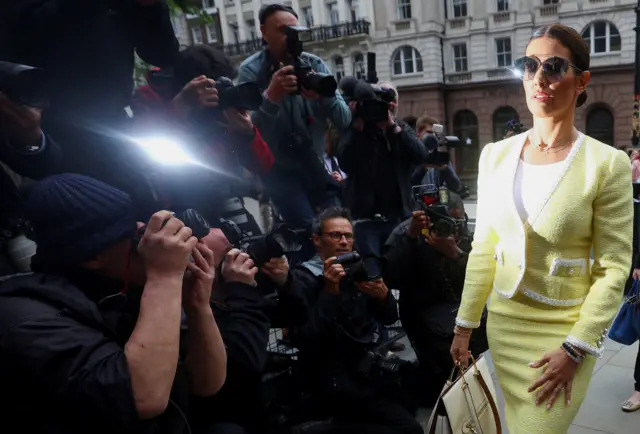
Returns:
<point x="568" y="267"/>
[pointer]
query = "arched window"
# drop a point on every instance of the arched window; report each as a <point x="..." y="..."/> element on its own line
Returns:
<point x="600" y="125"/>
<point x="359" y="69"/>
<point x="406" y="60"/>
<point x="338" y="67"/>
<point x="500" y="119"/>
<point x="602" y="37"/>
<point x="465" y="126"/>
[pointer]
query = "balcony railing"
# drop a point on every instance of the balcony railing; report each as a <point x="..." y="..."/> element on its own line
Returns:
<point x="342" y="30"/>
<point x="243" y="48"/>
<point x="318" y="34"/>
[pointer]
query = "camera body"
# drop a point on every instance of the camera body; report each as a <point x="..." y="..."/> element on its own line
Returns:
<point x="434" y="202"/>
<point x="262" y="248"/>
<point x="323" y="84"/>
<point x="245" y="96"/>
<point x="191" y="218"/>
<point x="23" y="84"/>
<point x="360" y="269"/>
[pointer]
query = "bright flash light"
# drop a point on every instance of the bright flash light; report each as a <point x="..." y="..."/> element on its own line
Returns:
<point x="164" y="151"/>
<point x="516" y="73"/>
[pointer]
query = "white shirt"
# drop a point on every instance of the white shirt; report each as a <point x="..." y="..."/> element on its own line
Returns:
<point x="327" y="165"/>
<point x="533" y="184"/>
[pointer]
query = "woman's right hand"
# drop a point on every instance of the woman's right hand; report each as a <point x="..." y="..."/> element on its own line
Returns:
<point x="460" y="350"/>
<point x="636" y="273"/>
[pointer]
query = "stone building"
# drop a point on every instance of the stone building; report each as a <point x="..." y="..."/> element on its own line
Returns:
<point x="340" y="29"/>
<point x="450" y="59"/>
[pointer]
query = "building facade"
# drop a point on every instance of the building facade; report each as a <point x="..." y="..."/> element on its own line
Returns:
<point x="451" y="60"/>
<point x="340" y="29"/>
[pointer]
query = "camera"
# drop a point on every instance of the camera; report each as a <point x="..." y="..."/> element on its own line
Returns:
<point x="262" y="248"/>
<point x="323" y="84"/>
<point x="245" y="96"/>
<point x="372" y="102"/>
<point x="435" y="202"/>
<point x="23" y="84"/>
<point x="513" y="127"/>
<point x="360" y="269"/>
<point x="190" y="217"/>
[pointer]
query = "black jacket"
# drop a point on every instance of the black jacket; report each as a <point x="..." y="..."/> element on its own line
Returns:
<point x="62" y="364"/>
<point x="340" y="328"/>
<point x="244" y="320"/>
<point x="359" y="151"/>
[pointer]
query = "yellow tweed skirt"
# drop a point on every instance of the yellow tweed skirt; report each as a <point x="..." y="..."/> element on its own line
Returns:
<point x="520" y="330"/>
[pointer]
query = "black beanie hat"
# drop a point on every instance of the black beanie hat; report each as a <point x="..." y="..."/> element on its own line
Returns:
<point x="75" y="217"/>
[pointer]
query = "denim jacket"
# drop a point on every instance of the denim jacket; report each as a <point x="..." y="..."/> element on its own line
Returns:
<point x="294" y="115"/>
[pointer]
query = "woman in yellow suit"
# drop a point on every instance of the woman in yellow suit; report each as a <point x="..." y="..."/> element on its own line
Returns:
<point x="546" y="198"/>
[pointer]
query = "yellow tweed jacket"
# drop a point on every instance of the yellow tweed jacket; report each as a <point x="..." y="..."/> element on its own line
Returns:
<point x="547" y="258"/>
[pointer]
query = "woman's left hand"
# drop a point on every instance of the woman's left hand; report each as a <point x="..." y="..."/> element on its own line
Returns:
<point x="559" y="370"/>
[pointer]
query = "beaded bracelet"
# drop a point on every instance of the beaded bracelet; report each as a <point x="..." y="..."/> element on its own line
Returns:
<point x="572" y="353"/>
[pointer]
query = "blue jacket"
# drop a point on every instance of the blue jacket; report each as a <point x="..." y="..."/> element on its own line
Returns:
<point x="294" y="115"/>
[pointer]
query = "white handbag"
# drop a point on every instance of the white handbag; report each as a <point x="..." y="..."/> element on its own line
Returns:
<point x="467" y="405"/>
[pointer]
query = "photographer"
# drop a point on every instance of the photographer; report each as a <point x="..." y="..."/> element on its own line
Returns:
<point x="186" y="102"/>
<point x="26" y="151"/>
<point x="87" y="51"/>
<point x="378" y="155"/>
<point x="245" y="310"/>
<point x="429" y="271"/>
<point x="92" y="341"/>
<point x="430" y="174"/>
<point x="292" y="118"/>
<point x="335" y="342"/>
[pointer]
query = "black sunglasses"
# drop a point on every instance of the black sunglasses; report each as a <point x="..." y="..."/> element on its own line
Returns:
<point x="554" y="68"/>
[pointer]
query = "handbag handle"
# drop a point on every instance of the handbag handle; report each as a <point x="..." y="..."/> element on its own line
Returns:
<point x="485" y="389"/>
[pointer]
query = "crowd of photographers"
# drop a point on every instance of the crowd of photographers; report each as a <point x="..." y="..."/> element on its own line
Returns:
<point x="133" y="319"/>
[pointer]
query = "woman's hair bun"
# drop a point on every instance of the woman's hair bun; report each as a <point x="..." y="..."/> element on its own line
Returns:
<point x="582" y="98"/>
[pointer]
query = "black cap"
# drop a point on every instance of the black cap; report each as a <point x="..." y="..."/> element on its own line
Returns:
<point x="267" y="10"/>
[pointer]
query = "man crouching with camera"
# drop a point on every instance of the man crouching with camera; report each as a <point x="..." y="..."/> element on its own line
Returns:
<point x="346" y="305"/>
<point x="92" y="341"/>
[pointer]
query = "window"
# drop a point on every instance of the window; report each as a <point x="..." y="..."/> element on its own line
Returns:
<point x="251" y="30"/>
<point x="465" y="126"/>
<point x="550" y="2"/>
<point x="359" y="69"/>
<point x="212" y="33"/>
<point x="354" y="10"/>
<point x="233" y="28"/>
<point x="338" y="67"/>
<point x="334" y="16"/>
<point x="503" y="5"/>
<point x="602" y="37"/>
<point x="501" y="117"/>
<point x="406" y="60"/>
<point x="307" y="17"/>
<point x="459" y="8"/>
<point x="208" y="4"/>
<point x="503" y="52"/>
<point x="404" y="9"/>
<point x="600" y="125"/>
<point x="196" y="34"/>
<point x="460" y="58"/>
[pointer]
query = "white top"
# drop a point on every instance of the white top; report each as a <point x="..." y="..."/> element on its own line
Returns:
<point x="327" y="165"/>
<point x="532" y="185"/>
